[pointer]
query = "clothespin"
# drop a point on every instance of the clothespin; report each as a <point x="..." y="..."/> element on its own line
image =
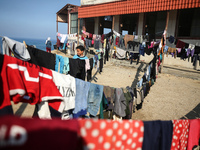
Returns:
<point x="25" y="43"/>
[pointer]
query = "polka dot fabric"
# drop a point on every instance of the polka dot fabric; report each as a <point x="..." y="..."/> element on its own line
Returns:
<point x="180" y="134"/>
<point x="114" y="135"/>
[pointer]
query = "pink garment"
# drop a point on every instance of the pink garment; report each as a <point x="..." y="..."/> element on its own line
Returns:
<point x="152" y="45"/>
<point x="92" y="41"/>
<point x="86" y="34"/>
<point x="194" y="133"/>
<point x="94" y="36"/>
<point x="107" y="134"/>
<point x="180" y="134"/>
<point x="179" y="50"/>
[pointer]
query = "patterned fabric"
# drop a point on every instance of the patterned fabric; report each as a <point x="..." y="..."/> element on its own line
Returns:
<point x="180" y="134"/>
<point x="107" y="134"/>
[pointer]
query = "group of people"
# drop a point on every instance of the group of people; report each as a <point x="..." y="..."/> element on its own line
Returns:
<point x="80" y="50"/>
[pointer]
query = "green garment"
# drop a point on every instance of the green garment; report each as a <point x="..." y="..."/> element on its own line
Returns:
<point x="128" y="97"/>
<point x="103" y="106"/>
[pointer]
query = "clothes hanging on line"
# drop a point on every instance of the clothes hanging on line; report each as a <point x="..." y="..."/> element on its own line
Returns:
<point x="18" y="49"/>
<point x="31" y="84"/>
<point x="41" y="58"/>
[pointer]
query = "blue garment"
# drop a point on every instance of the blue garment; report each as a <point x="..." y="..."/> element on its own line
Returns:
<point x="161" y="57"/>
<point x="141" y="49"/>
<point x="66" y="65"/>
<point x="88" y="43"/>
<point x="94" y="98"/>
<point x="82" y="89"/>
<point x="157" y="135"/>
<point x="61" y="60"/>
<point x="139" y="84"/>
<point x="166" y="49"/>
<point x="64" y="46"/>
<point x="94" y="61"/>
<point x="78" y="57"/>
<point x="114" y="41"/>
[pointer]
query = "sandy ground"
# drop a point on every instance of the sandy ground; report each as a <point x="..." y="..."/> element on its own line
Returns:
<point x="171" y="97"/>
<point x="174" y="94"/>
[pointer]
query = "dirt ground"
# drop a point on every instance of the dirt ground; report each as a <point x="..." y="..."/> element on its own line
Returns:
<point x="171" y="97"/>
<point x="175" y="93"/>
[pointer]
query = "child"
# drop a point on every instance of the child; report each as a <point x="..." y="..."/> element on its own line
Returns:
<point x="48" y="45"/>
<point x="80" y="50"/>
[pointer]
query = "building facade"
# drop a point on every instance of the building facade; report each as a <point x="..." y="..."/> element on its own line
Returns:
<point x="135" y="17"/>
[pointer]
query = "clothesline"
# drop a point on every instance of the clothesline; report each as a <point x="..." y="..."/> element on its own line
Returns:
<point x="99" y="134"/>
<point x="35" y="52"/>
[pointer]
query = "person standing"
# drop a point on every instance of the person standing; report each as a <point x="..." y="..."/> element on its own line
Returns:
<point x="48" y="45"/>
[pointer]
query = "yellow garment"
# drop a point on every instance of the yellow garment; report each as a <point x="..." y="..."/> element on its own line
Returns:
<point x="104" y="45"/>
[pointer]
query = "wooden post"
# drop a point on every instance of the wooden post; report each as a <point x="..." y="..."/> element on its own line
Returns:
<point x="113" y="26"/>
<point x="167" y="21"/>
<point x="56" y="31"/>
<point x="78" y="31"/>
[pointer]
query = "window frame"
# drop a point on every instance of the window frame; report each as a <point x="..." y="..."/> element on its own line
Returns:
<point x="177" y="25"/>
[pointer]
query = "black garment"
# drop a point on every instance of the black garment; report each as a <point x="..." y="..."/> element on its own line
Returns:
<point x="148" y="51"/>
<point x="8" y="109"/>
<point x="135" y="92"/>
<point x="197" y="50"/>
<point x="133" y="44"/>
<point x="1" y="61"/>
<point x="108" y="35"/>
<point x="182" y="54"/>
<point x="153" y="68"/>
<point x="89" y="72"/>
<point x="171" y="39"/>
<point x="77" y="68"/>
<point x="135" y="56"/>
<point x="96" y="44"/>
<point x="144" y="85"/>
<point x="107" y="49"/>
<point x="157" y="135"/>
<point x="195" y="58"/>
<point x="186" y="45"/>
<point x="101" y="65"/>
<point x="41" y="58"/>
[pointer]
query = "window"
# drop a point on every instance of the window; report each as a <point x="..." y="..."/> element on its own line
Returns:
<point x="74" y="23"/>
<point x="189" y="23"/>
<point x="155" y="23"/>
<point x="129" y="23"/>
<point x="108" y="18"/>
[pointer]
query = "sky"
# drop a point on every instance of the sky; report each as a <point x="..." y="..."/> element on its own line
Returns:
<point x="34" y="19"/>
